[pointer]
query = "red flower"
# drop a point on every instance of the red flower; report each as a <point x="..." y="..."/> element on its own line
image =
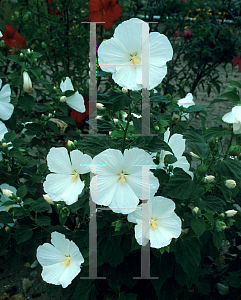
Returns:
<point x="50" y="9"/>
<point x="236" y="60"/>
<point x="187" y="34"/>
<point x="106" y="11"/>
<point x="176" y="33"/>
<point x="80" y="117"/>
<point x="12" y="38"/>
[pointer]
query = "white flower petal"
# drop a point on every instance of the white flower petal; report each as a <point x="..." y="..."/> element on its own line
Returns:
<point x="236" y="128"/>
<point x="156" y="75"/>
<point x="124" y="200"/>
<point x="187" y="101"/>
<point x="142" y="238"/>
<point x="66" y="85"/>
<point x="108" y="162"/>
<point x="170" y="226"/>
<point x="157" y="240"/>
<point x="128" y="33"/>
<point x="48" y="255"/>
<point x="3" y="130"/>
<point x="229" y="118"/>
<point x="76" y="102"/>
<point x="161" y="206"/>
<point x="177" y="144"/>
<point x="126" y="77"/>
<point x="58" y="160"/>
<point x="60" y="242"/>
<point x="137" y="214"/>
<point x="159" y="41"/>
<point x="69" y="274"/>
<point x="102" y="189"/>
<point x="236" y="110"/>
<point x="60" y="187"/>
<point x="80" y="162"/>
<point x="117" y="55"/>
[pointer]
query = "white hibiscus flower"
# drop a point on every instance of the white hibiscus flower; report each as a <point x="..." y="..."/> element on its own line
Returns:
<point x="177" y="144"/>
<point x="186" y="102"/>
<point x="64" y="183"/>
<point x="120" y="182"/>
<point x="122" y="55"/>
<point x="61" y="261"/>
<point x="159" y="226"/>
<point x="6" y="108"/>
<point x="234" y="117"/>
<point x="75" y="101"/>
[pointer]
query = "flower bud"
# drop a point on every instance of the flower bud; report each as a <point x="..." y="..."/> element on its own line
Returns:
<point x="63" y="99"/>
<point x="196" y="211"/>
<point x="100" y="106"/>
<point x="194" y="155"/>
<point x="27" y="83"/>
<point x="234" y="150"/>
<point x="48" y="199"/>
<point x="21" y="54"/>
<point x="28" y="50"/>
<point x="7" y="193"/>
<point x="115" y="120"/>
<point x="175" y="118"/>
<point x="157" y="128"/>
<point x="230" y="213"/>
<point x="8" y="229"/>
<point x="202" y="169"/>
<point x="209" y="178"/>
<point x="124" y="90"/>
<point x="4" y="144"/>
<point x="231" y="184"/>
<point x="71" y="145"/>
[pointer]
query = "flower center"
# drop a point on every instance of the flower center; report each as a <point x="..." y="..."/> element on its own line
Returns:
<point x="67" y="261"/>
<point x="122" y="178"/>
<point x="74" y="176"/>
<point x="134" y="59"/>
<point x="152" y="223"/>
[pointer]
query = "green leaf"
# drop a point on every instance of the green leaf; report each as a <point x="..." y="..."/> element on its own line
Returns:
<point x="112" y="252"/>
<point x="22" y="234"/>
<point x="36" y="71"/>
<point x="69" y="93"/>
<point x="67" y="120"/>
<point x="62" y="220"/>
<point x="22" y="191"/>
<point x="234" y="82"/>
<point x="198" y="225"/>
<point x="10" y="136"/>
<point x="40" y="205"/>
<point x="213" y="203"/>
<point x="43" y="221"/>
<point x="15" y="58"/>
<point x="14" y="152"/>
<point x="218" y="238"/>
<point x="170" y="159"/>
<point x="231" y="96"/>
<point x="188" y="255"/>
<point x="85" y="290"/>
<point x="5" y="217"/>
<point x="119" y="100"/>
<point x="180" y="186"/>
<point x="16" y="80"/>
<point x="234" y="281"/>
<point x="195" y="108"/>
<point x="203" y="286"/>
<point x="229" y="168"/>
<point x="214" y="132"/>
<point x="27" y="102"/>
<point x="196" y="143"/>
<point x="104" y="125"/>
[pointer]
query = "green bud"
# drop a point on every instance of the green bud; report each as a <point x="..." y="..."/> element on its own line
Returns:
<point x="8" y="229"/>
<point x="174" y="101"/>
<point x="202" y="169"/>
<point x="43" y="44"/>
<point x="196" y="211"/>
<point x="234" y="150"/>
<point x="157" y="128"/>
<point x="212" y="142"/>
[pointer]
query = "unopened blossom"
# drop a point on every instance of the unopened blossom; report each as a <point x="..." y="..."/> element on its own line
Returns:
<point x="230" y="213"/>
<point x="177" y="144"/>
<point x="231" y="184"/>
<point x="160" y="226"/>
<point x="195" y="155"/>
<point x="7" y="193"/>
<point x="6" y="108"/>
<point x="120" y="181"/>
<point x="61" y="261"/>
<point x="27" y="83"/>
<point x="4" y="198"/>
<point x="76" y="101"/>
<point x="186" y="102"/>
<point x="122" y="55"/>
<point x="234" y="117"/>
<point x="124" y="90"/>
<point x="100" y="106"/>
<point x="64" y="183"/>
<point x="209" y="178"/>
<point x="48" y="199"/>
<point x="222" y="289"/>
